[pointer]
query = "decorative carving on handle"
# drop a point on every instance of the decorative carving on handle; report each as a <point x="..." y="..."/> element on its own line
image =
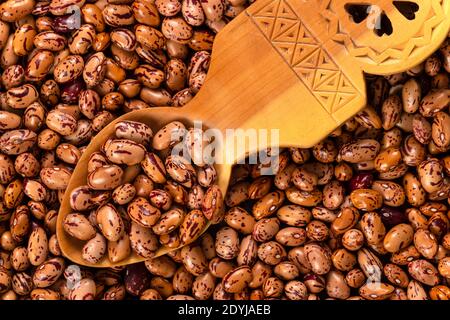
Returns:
<point x="414" y="34"/>
<point x="304" y="54"/>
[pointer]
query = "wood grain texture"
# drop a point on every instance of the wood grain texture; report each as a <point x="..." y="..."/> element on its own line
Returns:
<point x="288" y="65"/>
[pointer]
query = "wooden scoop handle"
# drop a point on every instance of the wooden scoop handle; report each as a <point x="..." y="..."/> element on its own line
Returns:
<point x="297" y="66"/>
<point x="272" y="72"/>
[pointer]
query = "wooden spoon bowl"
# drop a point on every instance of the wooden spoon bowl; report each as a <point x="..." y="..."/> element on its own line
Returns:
<point x="292" y="66"/>
<point x="156" y="119"/>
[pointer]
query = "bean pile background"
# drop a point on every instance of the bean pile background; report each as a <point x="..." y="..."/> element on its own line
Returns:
<point x="361" y="215"/>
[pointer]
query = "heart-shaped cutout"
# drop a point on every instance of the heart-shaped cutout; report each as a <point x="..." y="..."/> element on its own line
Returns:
<point x="407" y="8"/>
<point x="383" y="25"/>
<point x="376" y="19"/>
<point x="359" y="12"/>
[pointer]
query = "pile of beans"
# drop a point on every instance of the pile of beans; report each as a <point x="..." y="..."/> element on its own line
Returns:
<point x="143" y="210"/>
<point x="63" y="80"/>
<point x="362" y="215"/>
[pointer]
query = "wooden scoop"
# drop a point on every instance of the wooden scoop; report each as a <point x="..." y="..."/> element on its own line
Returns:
<point x="290" y="65"/>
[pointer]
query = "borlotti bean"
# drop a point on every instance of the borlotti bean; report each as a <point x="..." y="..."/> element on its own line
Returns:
<point x="130" y="219"/>
<point x="363" y="214"/>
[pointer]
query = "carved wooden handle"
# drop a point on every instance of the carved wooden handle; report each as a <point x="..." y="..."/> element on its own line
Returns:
<point x="305" y="53"/>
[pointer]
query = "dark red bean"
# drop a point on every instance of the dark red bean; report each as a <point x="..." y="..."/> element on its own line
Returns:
<point x="137" y="279"/>
<point x="392" y="216"/>
<point x="438" y="226"/>
<point x="361" y="180"/>
<point x="71" y="91"/>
